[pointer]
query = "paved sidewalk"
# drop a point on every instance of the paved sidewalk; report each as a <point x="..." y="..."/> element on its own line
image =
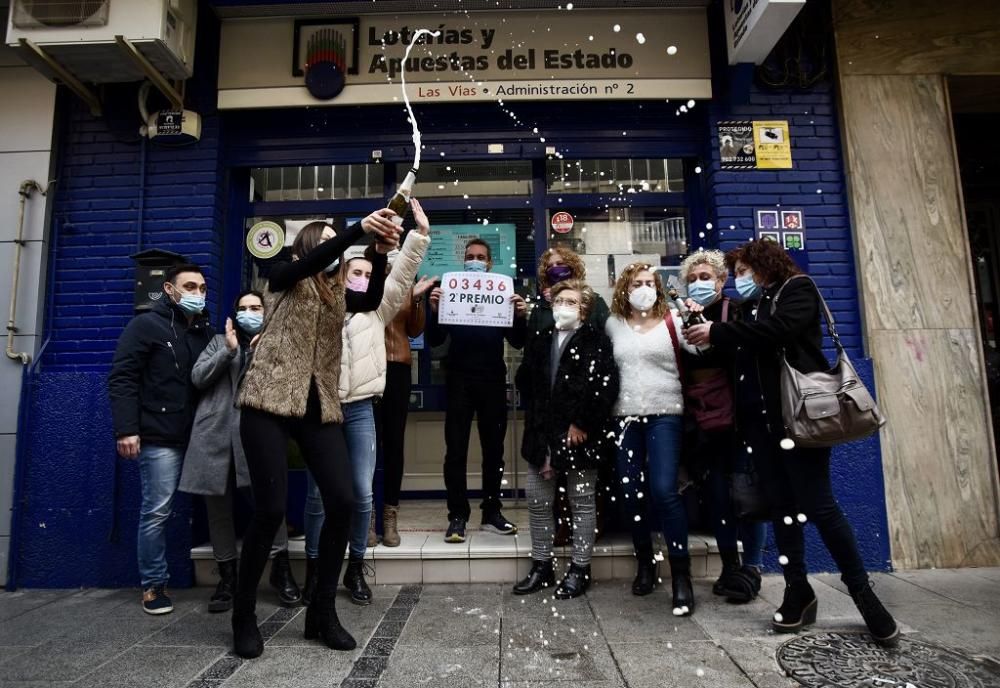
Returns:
<point x="481" y="635"/>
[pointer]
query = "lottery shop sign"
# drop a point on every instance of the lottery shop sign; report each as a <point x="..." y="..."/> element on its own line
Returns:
<point x="562" y="222"/>
<point x="476" y="298"/>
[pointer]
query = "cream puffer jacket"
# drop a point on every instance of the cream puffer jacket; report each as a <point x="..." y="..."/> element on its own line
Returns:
<point x="362" y="364"/>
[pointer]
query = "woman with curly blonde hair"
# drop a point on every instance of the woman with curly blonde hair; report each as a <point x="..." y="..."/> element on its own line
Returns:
<point x="645" y="336"/>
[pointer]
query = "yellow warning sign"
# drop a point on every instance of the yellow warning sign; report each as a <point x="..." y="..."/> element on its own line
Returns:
<point x="773" y="145"/>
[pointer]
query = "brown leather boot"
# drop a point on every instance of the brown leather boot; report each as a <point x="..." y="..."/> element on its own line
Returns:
<point x="372" y="535"/>
<point x="390" y="526"/>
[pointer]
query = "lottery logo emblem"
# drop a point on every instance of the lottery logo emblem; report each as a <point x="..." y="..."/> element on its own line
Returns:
<point x="265" y="239"/>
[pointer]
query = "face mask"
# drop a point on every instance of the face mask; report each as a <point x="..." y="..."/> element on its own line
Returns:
<point x="192" y="304"/>
<point x="702" y="292"/>
<point x="566" y="317"/>
<point x="746" y="287"/>
<point x="332" y="267"/>
<point x="475" y="266"/>
<point x="358" y="284"/>
<point x="249" y="321"/>
<point x="642" y="298"/>
<point x="558" y="273"/>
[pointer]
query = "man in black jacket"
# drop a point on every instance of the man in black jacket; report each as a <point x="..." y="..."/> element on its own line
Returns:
<point x="476" y="385"/>
<point x="152" y="407"/>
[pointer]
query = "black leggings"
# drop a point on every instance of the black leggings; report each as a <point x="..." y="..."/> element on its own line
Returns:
<point x="391" y="419"/>
<point x="265" y="441"/>
<point x="797" y="481"/>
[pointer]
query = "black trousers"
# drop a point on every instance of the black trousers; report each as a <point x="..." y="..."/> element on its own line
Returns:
<point x="265" y="441"/>
<point x="390" y="418"/>
<point x="485" y="398"/>
<point x="797" y="481"/>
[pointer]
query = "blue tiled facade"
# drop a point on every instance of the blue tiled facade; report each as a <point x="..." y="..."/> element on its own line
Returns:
<point x="78" y="503"/>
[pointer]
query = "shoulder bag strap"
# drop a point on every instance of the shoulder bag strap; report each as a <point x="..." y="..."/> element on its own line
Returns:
<point x="831" y="326"/>
<point x="672" y="329"/>
<point x="725" y="308"/>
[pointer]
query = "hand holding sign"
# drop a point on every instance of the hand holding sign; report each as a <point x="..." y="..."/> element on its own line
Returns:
<point x="476" y="298"/>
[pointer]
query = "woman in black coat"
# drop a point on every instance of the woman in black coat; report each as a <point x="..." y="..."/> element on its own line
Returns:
<point x="797" y="479"/>
<point x="569" y="383"/>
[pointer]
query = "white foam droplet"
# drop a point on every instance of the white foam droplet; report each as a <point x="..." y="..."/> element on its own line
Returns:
<point x="640" y="38"/>
<point x="787" y="443"/>
<point x="778" y="617"/>
<point x="671" y="50"/>
<point x="616" y="28"/>
<point x="788" y="520"/>
<point x="783" y="560"/>
<point x="801" y="518"/>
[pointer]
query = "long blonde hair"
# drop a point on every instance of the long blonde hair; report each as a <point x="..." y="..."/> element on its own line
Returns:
<point x="620" y="304"/>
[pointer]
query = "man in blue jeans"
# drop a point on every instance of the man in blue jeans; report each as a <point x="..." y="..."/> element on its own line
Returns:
<point x="152" y="406"/>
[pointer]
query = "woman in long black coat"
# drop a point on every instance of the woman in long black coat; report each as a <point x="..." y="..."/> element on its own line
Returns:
<point x="782" y="313"/>
<point x="569" y="383"/>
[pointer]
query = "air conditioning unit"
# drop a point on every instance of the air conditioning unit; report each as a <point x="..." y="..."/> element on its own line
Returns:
<point x="81" y="36"/>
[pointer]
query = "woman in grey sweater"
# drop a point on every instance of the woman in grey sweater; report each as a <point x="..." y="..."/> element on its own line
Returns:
<point x="215" y="465"/>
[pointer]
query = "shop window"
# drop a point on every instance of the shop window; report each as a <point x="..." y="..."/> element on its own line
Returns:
<point x="609" y="239"/>
<point x="468" y="178"/>
<point x="631" y="175"/>
<point x="317" y="182"/>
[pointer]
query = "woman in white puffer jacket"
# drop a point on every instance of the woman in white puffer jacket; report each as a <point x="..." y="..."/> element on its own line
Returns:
<point x="362" y="380"/>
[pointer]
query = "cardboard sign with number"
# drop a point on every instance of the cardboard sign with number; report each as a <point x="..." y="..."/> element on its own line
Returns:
<point x="476" y="298"/>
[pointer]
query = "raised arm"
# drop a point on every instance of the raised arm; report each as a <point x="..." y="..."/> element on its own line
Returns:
<point x="797" y="311"/>
<point x="213" y="363"/>
<point x="400" y="280"/>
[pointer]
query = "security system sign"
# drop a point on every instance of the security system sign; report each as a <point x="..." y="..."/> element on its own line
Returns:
<point x="476" y="298"/>
<point x="752" y="145"/>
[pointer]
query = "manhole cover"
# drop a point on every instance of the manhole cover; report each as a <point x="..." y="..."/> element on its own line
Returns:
<point x="846" y="660"/>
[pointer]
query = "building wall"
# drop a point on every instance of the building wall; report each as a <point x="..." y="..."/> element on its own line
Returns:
<point x="26" y="122"/>
<point x="78" y="526"/>
<point x="916" y="272"/>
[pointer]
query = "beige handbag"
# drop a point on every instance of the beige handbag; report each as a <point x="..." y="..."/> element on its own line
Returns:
<point x="826" y="408"/>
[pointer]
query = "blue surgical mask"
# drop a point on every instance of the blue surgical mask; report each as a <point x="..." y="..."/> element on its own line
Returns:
<point x="475" y="266"/>
<point x="747" y="288"/>
<point x="249" y="321"/>
<point x="192" y="304"/>
<point x="702" y="292"/>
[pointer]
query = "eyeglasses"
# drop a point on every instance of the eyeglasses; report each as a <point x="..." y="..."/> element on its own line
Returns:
<point x="565" y="302"/>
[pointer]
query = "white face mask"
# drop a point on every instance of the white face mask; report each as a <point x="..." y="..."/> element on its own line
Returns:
<point x="642" y="298"/>
<point x="566" y="317"/>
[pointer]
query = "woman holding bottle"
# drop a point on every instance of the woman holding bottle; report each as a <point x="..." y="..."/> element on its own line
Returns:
<point x="290" y="391"/>
<point x="782" y="315"/>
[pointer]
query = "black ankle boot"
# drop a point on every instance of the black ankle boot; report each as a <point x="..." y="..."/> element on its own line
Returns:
<point x="730" y="565"/>
<point x="680" y="583"/>
<point x="354" y="581"/>
<point x="740" y="586"/>
<point x="312" y="578"/>
<point x="798" y="608"/>
<point x="222" y="599"/>
<point x="574" y="583"/>
<point x="322" y="622"/>
<point x="645" y="572"/>
<point x="540" y="576"/>
<point x="880" y="623"/>
<point x="283" y="581"/>
<point x="247" y="642"/>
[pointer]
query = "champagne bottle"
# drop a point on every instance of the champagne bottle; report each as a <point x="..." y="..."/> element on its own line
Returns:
<point x="400" y="201"/>
<point x="687" y="316"/>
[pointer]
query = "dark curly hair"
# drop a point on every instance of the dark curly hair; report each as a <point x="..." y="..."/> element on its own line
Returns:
<point x="766" y="258"/>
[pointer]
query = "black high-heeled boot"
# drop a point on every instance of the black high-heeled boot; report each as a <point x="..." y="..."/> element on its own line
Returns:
<point x="247" y="641"/>
<point x="222" y="599"/>
<point x="312" y="579"/>
<point x="574" y="583"/>
<point x="880" y="623"/>
<point x="322" y="622"/>
<point x="680" y="583"/>
<point x="354" y="581"/>
<point x="540" y="576"/>
<point x="283" y="581"/>
<point x="798" y="608"/>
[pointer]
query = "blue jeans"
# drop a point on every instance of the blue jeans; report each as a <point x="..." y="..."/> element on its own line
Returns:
<point x="359" y="433"/>
<point x="159" y="475"/>
<point x="649" y="456"/>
